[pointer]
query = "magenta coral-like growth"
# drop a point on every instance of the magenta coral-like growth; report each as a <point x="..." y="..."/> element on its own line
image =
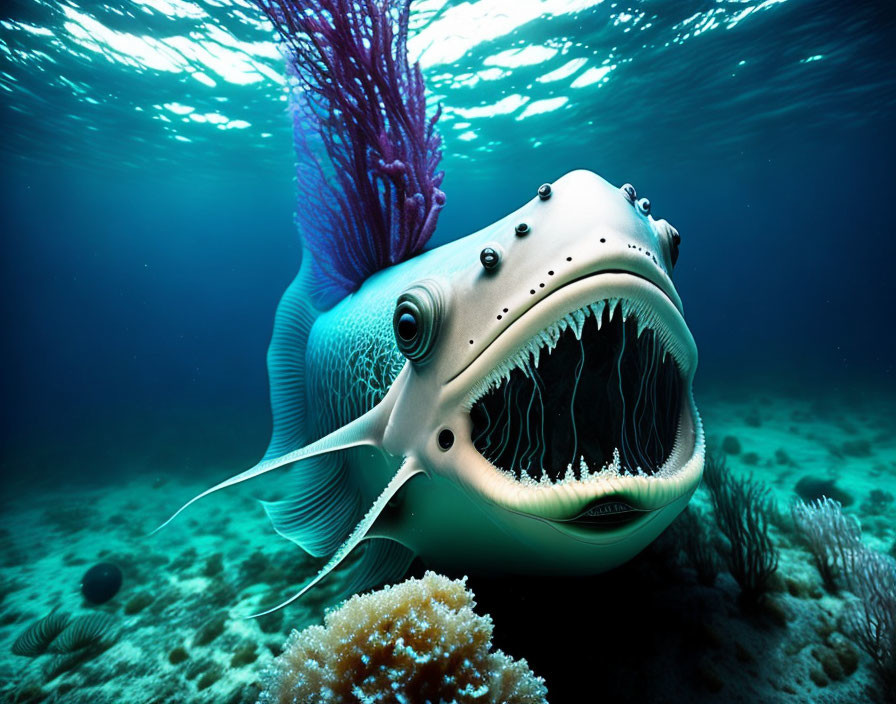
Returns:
<point x="368" y="154"/>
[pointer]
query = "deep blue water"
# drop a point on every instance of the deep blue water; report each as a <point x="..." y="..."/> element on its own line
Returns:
<point x="145" y="250"/>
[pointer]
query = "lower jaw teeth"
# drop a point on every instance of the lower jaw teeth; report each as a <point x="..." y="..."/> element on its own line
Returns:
<point x="584" y="473"/>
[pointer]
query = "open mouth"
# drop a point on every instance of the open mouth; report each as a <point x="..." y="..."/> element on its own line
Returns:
<point x="596" y="393"/>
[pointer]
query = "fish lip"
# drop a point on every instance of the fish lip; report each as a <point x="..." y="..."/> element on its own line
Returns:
<point x="660" y="286"/>
<point x="562" y="502"/>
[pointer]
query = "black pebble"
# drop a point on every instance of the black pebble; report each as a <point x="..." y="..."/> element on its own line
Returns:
<point x="101" y="582"/>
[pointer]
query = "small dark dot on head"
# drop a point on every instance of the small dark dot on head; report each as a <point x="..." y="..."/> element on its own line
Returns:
<point x="499" y="317"/>
<point x="532" y="291"/>
<point x="603" y="239"/>
<point x="647" y="253"/>
<point x="569" y="259"/>
<point x="505" y="310"/>
<point x="550" y="273"/>
<point x="471" y="342"/>
<point x="540" y="285"/>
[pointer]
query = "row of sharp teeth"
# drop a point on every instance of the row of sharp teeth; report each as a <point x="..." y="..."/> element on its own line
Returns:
<point x="583" y="474"/>
<point x="528" y="356"/>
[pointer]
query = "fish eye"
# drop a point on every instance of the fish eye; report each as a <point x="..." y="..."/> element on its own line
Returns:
<point x="644" y="205"/>
<point x="629" y="192"/>
<point x="416" y="321"/>
<point x="407" y="327"/>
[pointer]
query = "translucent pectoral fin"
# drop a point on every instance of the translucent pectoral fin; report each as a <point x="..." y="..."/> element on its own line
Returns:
<point x="365" y="430"/>
<point x="407" y="470"/>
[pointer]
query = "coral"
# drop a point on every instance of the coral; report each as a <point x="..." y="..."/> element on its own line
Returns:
<point x="695" y="541"/>
<point x="374" y="200"/>
<point x="830" y="535"/>
<point x="36" y="639"/>
<point x="92" y="631"/>
<point x="417" y="641"/>
<point x="742" y="510"/>
<point x="871" y="617"/>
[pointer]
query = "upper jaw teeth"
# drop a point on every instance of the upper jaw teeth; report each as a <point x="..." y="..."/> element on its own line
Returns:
<point x="529" y="355"/>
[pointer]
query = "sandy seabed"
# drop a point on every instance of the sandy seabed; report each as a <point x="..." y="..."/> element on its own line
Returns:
<point x="179" y="630"/>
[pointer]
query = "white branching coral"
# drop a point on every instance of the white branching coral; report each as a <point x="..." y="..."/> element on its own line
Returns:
<point x="416" y="642"/>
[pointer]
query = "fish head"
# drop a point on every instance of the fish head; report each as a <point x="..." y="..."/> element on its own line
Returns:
<point x="550" y="372"/>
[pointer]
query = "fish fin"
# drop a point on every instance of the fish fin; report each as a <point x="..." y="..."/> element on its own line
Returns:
<point x="364" y="430"/>
<point x="407" y="470"/>
<point x="286" y="364"/>
<point x="384" y="561"/>
<point x="321" y="511"/>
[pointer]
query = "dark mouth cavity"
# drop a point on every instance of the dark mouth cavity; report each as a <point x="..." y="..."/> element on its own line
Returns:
<point x="610" y="394"/>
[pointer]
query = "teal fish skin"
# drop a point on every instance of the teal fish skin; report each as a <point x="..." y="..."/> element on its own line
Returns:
<point x="373" y="399"/>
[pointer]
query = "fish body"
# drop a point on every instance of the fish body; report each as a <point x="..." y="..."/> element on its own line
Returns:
<point x="587" y="243"/>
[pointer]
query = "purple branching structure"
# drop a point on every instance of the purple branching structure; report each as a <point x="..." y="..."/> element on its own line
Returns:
<point x="368" y="154"/>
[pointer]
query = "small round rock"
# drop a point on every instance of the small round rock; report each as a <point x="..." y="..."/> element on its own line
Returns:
<point x="101" y="582"/>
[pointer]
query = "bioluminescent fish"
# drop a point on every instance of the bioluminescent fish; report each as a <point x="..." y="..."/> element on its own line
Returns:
<point x="518" y="400"/>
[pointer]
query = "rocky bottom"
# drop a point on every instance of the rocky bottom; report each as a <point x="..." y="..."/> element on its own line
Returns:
<point x="175" y="631"/>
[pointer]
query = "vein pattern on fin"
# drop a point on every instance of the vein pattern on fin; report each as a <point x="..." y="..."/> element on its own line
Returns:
<point x="405" y="472"/>
<point x="322" y="510"/>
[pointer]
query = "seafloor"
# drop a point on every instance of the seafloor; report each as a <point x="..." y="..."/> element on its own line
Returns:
<point x="646" y="632"/>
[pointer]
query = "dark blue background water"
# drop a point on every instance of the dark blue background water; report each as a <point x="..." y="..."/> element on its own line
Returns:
<point x="140" y="273"/>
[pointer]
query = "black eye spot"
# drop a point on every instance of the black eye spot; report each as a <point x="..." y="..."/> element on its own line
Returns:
<point x="490" y="258"/>
<point x="407" y="327"/>
<point x="446" y="439"/>
<point x="628" y="190"/>
<point x="603" y="240"/>
<point x="545" y="191"/>
<point x="522" y="229"/>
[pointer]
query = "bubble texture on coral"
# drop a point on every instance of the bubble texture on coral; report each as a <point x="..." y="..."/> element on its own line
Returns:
<point x="418" y="641"/>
